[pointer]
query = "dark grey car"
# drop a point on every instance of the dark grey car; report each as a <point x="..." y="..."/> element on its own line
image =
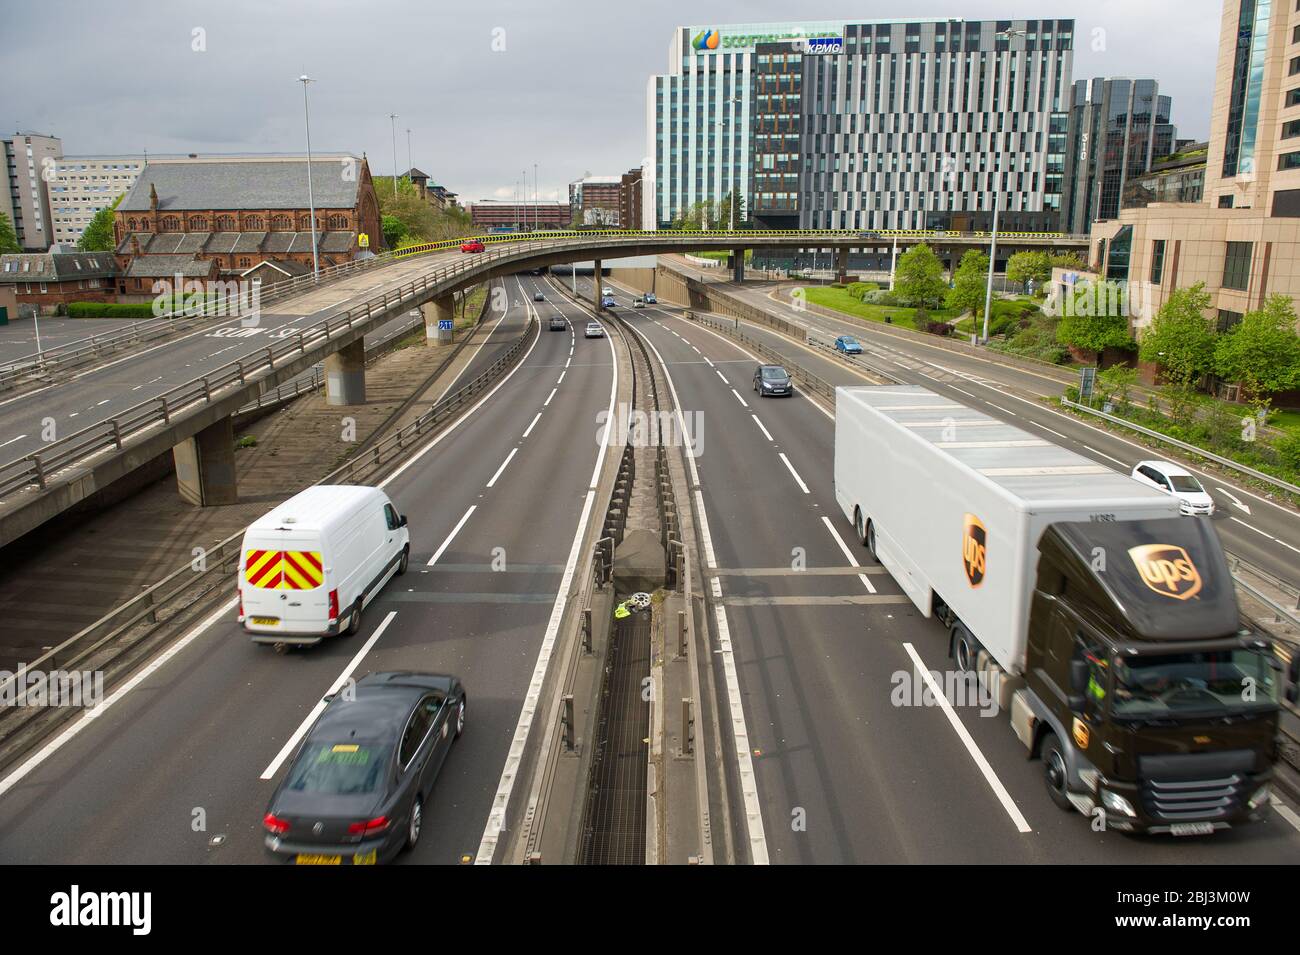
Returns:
<point x="772" y="380"/>
<point x="356" y="789"/>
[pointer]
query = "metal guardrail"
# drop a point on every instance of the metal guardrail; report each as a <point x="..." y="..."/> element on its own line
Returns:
<point x="186" y="586"/>
<point x="1190" y="448"/>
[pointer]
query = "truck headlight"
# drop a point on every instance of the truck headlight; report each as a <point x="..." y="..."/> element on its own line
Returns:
<point x="1114" y="802"/>
<point x="1260" y="797"/>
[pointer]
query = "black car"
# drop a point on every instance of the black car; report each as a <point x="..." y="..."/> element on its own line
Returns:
<point x="772" y="380"/>
<point x="356" y="789"/>
<point x="539" y="297"/>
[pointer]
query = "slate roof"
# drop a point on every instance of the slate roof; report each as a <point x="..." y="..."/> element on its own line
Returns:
<point x="165" y="266"/>
<point x="243" y="184"/>
<point x="285" y="266"/>
<point x="56" y="266"/>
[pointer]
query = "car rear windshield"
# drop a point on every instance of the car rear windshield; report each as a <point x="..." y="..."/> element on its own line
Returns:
<point x="1185" y="483"/>
<point x="337" y="769"/>
<point x="774" y="372"/>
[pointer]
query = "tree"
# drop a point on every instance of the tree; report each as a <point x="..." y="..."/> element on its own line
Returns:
<point x="98" y="235"/>
<point x="1095" y="321"/>
<point x="1118" y="380"/>
<point x="969" y="283"/>
<point x="1067" y="260"/>
<point x="1179" y="338"/>
<point x="1262" y="351"/>
<point x="8" y="240"/>
<point x="394" y="231"/>
<point x="1029" y="266"/>
<point x="918" y="278"/>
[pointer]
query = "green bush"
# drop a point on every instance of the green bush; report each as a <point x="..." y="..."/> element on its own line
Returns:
<point x="110" y="310"/>
<point x="1288" y="450"/>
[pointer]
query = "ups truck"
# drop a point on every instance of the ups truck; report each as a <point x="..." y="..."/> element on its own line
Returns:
<point x="1103" y="622"/>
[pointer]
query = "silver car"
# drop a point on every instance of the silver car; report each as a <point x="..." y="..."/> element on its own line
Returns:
<point x="594" y="330"/>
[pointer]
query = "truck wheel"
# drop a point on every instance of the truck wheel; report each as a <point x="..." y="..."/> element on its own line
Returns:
<point x="1055" y="773"/>
<point x="871" y="541"/>
<point x="964" y="648"/>
<point x="354" y="620"/>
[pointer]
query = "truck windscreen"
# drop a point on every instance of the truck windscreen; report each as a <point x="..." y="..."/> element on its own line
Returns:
<point x="1207" y="683"/>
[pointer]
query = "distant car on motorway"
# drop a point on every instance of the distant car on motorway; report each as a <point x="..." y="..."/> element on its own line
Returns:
<point x="539" y="297"/>
<point x="607" y="291"/>
<point x="650" y="298"/>
<point x="772" y="380"/>
<point x="473" y="245"/>
<point x="356" y="789"/>
<point x="607" y="301"/>
<point x="1178" y="481"/>
<point x="848" y="345"/>
<point x="594" y="330"/>
<point x="557" y="323"/>
<point x="638" y="303"/>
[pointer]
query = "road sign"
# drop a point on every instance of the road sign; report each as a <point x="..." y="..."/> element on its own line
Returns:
<point x="444" y="324"/>
<point x="363" y="241"/>
<point x="1087" y="377"/>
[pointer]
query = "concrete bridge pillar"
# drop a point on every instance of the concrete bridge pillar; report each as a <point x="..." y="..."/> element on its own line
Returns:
<point x="738" y="265"/>
<point x="439" y="309"/>
<point x="345" y="375"/>
<point x="596" y="283"/>
<point x="841" y="264"/>
<point x="205" y="466"/>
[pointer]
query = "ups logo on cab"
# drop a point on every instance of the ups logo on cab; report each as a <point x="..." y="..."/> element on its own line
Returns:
<point x="974" y="549"/>
<point x="1167" y="569"/>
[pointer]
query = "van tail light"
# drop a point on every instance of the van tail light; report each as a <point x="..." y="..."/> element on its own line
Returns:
<point x="274" y="824"/>
<point x="370" y="827"/>
<point x="241" y="605"/>
<point x="334" y="605"/>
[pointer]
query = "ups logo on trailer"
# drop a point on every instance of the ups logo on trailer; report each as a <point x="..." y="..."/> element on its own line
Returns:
<point x="1167" y="569"/>
<point x="974" y="549"/>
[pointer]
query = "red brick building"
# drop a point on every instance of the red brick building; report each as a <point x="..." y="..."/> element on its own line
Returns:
<point x="212" y="219"/>
<point x="49" y="280"/>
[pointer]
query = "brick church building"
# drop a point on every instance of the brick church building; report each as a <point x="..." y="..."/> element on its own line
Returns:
<point x="213" y="219"/>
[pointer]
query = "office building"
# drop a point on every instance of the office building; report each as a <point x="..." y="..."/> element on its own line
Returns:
<point x="594" y="200"/>
<point x="886" y="124"/>
<point x="503" y="215"/>
<point x="1176" y="178"/>
<point x="629" y="198"/>
<point x="28" y="160"/>
<point x="1117" y="129"/>
<point x="80" y="186"/>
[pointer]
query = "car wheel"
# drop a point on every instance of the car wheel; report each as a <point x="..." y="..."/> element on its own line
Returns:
<point x="405" y="561"/>
<point x="415" y="824"/>
<point x="460" y="718"/>
<point x="354" y="620"/>
<point x="1056" y="774"/>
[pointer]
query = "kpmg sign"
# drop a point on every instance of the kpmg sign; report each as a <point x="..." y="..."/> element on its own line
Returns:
<point x="819" y="45"/>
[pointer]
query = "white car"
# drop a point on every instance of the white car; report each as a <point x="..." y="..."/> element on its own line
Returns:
<point x="1178" y="481"/>
<point x="594" y="330"/>
<point x="607" y="291"/>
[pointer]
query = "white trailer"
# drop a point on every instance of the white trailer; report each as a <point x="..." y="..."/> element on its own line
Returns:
<point x="953" y="501"/>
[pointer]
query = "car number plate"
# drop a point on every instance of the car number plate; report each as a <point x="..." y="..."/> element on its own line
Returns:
<point x="266" y="621"/>
<point x="305" y="859"/>
<point x="1191" y="828"/>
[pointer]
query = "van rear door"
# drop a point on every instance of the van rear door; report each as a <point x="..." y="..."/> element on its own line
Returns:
<point x="282" y="578"/>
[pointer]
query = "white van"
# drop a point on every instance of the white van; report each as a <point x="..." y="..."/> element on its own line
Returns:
<point x="308" y="568"/>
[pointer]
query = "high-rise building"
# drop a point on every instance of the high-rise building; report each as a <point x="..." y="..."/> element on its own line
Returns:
<point x="80" y="186"/>
<point x="594" y="200"/>
<point x="1117" y="129"/>
<point x="1240" y="239"/>
<point x="883" y="124"/>
<point x="28" y="160"/>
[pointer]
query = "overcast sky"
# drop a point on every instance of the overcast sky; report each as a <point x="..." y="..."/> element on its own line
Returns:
<point x="566" y="93"/>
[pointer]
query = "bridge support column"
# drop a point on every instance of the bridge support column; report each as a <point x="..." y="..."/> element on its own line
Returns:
<point x="205" y="466"/>
<point x="438" y="310"/>
<point x="738" y="265"/>
<point x="595" y="283"/>
<point x="345" y="375"/>
<point x="841" y="264"/>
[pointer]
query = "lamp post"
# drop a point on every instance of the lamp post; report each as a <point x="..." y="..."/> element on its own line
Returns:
<point x="409" y="164"/>
<point x="311" y="198"/>
<point x="392" y="119"/>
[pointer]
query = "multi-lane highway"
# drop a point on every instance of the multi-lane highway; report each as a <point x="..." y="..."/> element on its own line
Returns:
<point x="179" y="765"/>
<point x="849" y="769"/>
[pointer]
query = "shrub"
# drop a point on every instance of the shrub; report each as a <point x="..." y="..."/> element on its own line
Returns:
<point x="1288" y="450"/>
<point x="111" y="310"/>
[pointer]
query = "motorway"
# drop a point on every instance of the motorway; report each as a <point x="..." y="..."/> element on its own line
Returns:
<point x="112" y="386"/>
<point x="202" y="735"/>
<point x="844" y="775"/>
<point x="1264" y="532"/>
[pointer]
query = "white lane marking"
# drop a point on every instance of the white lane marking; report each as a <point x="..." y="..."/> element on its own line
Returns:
<point x="45" y="752"/>
<point x="767" y="434"/>
<point x="560" y="380"/>
<point x="1049" y="430"/>
<point x="848" y="554"/>
<point x="961" y="391"/>
<point x="723" y="377"/>
<point x="496" y="820"/>
<point x="12" y="440"/>
<point x="1286" y="812"/>
<point x="549" y="397"/>
<point x="707" y="360"/>
<point x="454" y="531"/>
<point x="529" y="429"/>
<point x="738" y="398"/>
<point x="797" y="479"/>
<point x="1104" y="455"/>
<point x="568" y="362"/>
<point x="509" y="457"/>
<point x="292" y="743"/>
<point x="739" y="730"/>
<point x="1000" y="408"/>
<point x="963" y="734"/>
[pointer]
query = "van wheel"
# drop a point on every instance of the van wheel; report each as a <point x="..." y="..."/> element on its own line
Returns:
<point x="871" y="541"/>
<point x="964" y="649"/>
<point x="406" y="559"/>
<point x="354" y="620"/>
<point x="1055" y="773"/>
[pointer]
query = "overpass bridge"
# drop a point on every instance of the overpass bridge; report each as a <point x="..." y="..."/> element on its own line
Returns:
<point x="326" y="324"/>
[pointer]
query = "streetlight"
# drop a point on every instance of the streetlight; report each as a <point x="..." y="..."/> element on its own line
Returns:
<point x="392" y="119"/>
<point x="409" y="164"/>
<point x="993" y="238"/>
<point x="311" y="198"/>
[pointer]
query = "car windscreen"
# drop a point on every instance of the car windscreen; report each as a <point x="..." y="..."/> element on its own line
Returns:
<point x="1186" y="483"/>
<point x="774" y="373"/>
<point x="338" y="769"/>
<point x="850" y="341"/>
